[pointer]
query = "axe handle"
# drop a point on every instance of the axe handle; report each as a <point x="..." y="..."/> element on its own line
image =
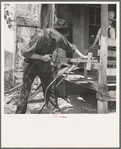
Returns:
<point x="92" y="48"/>
<point x="88" y="51"/>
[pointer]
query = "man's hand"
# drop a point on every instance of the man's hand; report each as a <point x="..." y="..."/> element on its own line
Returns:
<point x="84" y="56"/>
<point x="46" y="58"/>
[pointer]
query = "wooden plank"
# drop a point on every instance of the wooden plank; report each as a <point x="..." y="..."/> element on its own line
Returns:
<point x="103" y="106"/>
<point x="14" y="47"/>
<point x="111" y="78"/>
<point x="86" y="28"/>
<point x="110" y="99"/>
<point x="111" y="71"/>
<point x="77" y="29"/>
<point x="112" y="84"/>
<point x="112" y="48"/>
<point x="85" y="72"/>
<point x="111" y="53"/>
<point x="64" y="89"/>
<point x="111" y="62"/>
<point x="82" y="25"/>
<point x="104" y="48"/>
<point x="80" y="60"/>
<point x="88" y="67"/>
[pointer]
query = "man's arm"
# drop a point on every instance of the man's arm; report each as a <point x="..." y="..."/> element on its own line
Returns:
<point x="80" y="54"/>
<point x="45" y="58"/>
<point x="68" y="47"/>
<point x="97" y="38"/>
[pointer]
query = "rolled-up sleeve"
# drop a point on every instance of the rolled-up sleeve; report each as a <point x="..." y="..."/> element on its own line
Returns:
<point x="66" y="45"/>
<point x="98" y="33"/>
<point x="29" y="50"/>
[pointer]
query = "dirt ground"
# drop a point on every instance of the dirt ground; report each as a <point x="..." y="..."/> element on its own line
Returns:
<point x="74" y="104"/>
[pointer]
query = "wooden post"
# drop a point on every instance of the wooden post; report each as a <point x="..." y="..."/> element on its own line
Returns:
<point x="86" y="28"/>
<point x="82" y="11"/>
<point x="85" y="71"/>
<point x="14" y="51"/>
<point x="78" y="28"/>
<point x="64" y="89"/>
<point x="103" y="106"/>
<point x="89" y="63"/>
<point x="39" y="15"/>
<point x="52" y="14"/>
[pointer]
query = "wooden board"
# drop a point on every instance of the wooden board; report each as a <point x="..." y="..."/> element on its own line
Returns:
<point x="111" y="53"/>
<point x="111" y="71"/>
<point x="111" y="62"/>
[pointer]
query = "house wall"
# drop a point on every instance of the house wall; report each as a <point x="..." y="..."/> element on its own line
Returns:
<point x="63" y="11"/>
<point x="79" y="28"/>
<point x="77" y="18"/>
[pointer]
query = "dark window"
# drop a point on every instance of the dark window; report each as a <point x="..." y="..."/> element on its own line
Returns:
<point x="98" y="21"/>
<point x="92" y="11"/>
<point x="91" y="20"/>
<point x="94" y="22"/>
<point x="98" y="10"/>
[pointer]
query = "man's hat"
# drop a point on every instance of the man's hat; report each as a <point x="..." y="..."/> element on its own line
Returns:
<point x="60" y="23"/>
<point x="62" y="27"/>
<point x="111" y="15"/>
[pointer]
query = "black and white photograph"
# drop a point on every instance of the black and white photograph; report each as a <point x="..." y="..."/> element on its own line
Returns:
<point x="60" y="73"/>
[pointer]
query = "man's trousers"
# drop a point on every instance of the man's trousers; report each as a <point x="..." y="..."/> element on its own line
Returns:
<point x="46" y="78"/>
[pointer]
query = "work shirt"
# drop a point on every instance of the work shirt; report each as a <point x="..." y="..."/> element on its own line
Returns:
<point x="45" y="42"/>
<point x="111" y="33"/>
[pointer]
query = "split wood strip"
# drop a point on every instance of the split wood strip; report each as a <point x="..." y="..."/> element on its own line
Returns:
<point x="111" y="53"/>
<point x="111" y="71"/>
<point x="88" y="67"/>
<point x="111" y="78"/>
<point x="102" y="79"/>
<point x="112" y="84"/>
<point x="111" y="62"/>
<point x="111" y="81"/>
<point x="80" y="60"/>
<point x="97" y="66"/>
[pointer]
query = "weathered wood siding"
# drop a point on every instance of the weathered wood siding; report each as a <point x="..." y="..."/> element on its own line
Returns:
<point x="77" y="18"/>
<point x="78" y="27"/>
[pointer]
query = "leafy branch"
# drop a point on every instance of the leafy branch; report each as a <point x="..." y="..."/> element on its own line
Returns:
<point x="9" y="16"/>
